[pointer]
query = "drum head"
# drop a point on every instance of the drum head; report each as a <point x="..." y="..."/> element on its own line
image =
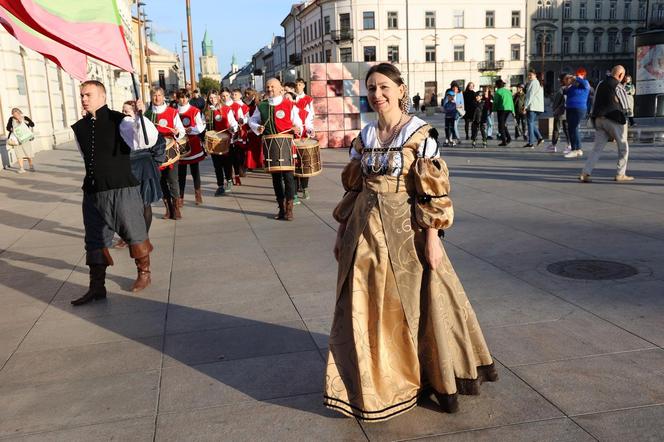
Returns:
<point x="306" y="143"/>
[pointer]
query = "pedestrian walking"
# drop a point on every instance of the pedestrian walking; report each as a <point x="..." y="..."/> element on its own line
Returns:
<point x="403" y="328"/>
<point x="305" y="105"/>
<point x="470" y="103"/>
<point x="630" y="89"/>
<point x="534" y="107"/>
<point x="609" y="117"/>
<point x="519" y="99"/>
<point x="480" y="115"/>
<point x="575" y="111"/>
<point x="111" y="193"/>
<point x="416" y="102"/>
<point x="451" y="112"/>
<point x="558" y="112"/>
<point x="197" y="100"/>
<point x="222" y="119"/>
<point x="504" y="107"/>
<point x="488" y="105"/>
<point x="20" y="136"/>
<point x="193" y="126"/>
<point x="254" y="154"/>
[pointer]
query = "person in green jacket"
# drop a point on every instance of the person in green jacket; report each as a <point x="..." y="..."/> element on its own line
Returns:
<point x="503" y="104"/>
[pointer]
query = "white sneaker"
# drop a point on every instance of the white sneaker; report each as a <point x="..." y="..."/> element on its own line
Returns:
<point x="551" y="148"/>
<point x="567" y="150"/>
<point x="574" y="154"/>
<point x="579" y="153"/>
<point x="21" y="171"/>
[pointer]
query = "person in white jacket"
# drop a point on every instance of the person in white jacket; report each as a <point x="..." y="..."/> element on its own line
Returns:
<point x="534" y="107"/>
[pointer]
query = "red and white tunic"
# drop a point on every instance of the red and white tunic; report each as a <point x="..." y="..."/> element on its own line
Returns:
<point x="166" y="118"/>
<point x="254" y="157"/>
<point x="191" y="118"/>
<point x="305" y="104"/>
<point x="241" y="114"/>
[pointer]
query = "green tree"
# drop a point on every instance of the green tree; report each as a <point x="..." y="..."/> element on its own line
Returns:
<point x="207" y="84"/>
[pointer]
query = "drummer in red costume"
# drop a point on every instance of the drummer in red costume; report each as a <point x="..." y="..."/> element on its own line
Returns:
<point x="305" y="104"/>
<point x="168" y="123"/>
<point x="222" y="118"/>
<point x="194" y="126"/>
<point x="254" y="152"/>
<point x="239" y="147"/>
<point x="273" y="116"/>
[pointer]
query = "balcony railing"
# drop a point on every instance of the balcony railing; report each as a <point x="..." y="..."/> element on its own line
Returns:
<point x="295" y="59"/>
<point x="490" y="65"/>
<point x="342" y="35"/>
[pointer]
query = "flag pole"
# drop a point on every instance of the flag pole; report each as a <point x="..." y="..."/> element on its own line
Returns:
<point x="140" y="113"/>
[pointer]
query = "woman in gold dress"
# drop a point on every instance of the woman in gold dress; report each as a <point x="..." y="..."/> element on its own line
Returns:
<point x="403" y="328"/>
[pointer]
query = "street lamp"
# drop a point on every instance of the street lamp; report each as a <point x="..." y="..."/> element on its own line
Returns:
<point x="184" y="47"/>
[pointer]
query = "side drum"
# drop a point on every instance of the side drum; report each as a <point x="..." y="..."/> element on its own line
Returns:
<point x="217" y="143"/>
<point x="278" y="153"/>
<point x="184" y="147"/>
<point x="308" y="163"/>
<point x="172" y="153"/>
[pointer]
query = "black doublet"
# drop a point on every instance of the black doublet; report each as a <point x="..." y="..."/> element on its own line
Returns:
<point x="105" y="153"/>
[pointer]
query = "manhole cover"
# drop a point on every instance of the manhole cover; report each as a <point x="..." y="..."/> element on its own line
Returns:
<point x="592" y="269"/>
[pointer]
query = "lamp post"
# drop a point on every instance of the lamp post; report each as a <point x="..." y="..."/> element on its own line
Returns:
<point x="141" y="52"/>
<point x="192" y="68"/>
<point x="183" y="45"/>
<point x="147" y="50"/>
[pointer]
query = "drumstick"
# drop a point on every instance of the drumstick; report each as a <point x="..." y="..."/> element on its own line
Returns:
<point x="285" y="132"/>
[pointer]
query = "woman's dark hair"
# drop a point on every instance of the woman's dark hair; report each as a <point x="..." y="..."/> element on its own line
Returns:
<point x="387" y="69"/>
<point x="182" y="93"/>
<point x="468" y="86"/>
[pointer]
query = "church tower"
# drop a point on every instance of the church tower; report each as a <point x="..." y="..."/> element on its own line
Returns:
<point x="208" y="61"/>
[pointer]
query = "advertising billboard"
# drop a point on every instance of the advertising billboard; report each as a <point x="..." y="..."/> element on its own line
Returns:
<point x="650" y="69"/>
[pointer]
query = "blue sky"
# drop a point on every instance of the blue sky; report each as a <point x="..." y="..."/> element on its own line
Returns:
<point x="239" y="27"/>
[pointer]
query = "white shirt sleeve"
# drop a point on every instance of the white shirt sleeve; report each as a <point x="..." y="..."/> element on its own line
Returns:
<point x="428" y="148"/>
<point x="255" y="121"/>
<point x="199" y="126"/>
<point x="309" y="123"/>
<point x="232" y="121"/>
<point x="132" y="134"/>
<point x="177" y="122"/>
<point x="295" y="117"/>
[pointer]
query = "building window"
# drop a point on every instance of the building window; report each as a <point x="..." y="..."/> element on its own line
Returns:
<point x="628" y="10"/>
<point x="326" y="24"/>
<point x="566" y="41"/>
<point x="370" y="53"/>
<point x="516" y="51"/>
<point x="516" y="19"/>
<point x="430" y="54"/>
<point x="328" y="55"/>
<point x="392" y="20"/>
<point x="316" y="57"/>
<point x="490" y="53"/>
<point x="544" y="9"/>
<point x="344" y="22"/>
<point x="583" y="12"/>
<point x="490" y="19"/>
<point x="459" y="52"/>
<point x="393" y="54"/>
<point x="162" y="79"/>
<point x="659" y="16"/>
<point x="597" y="43"/>
<point x="430" y="19"/>
<point x="316" y="29"/>
<point x="598" y="10"/>
<point x="626" y="40"/>
<point x="346" y="55"/>
<point x="612" y="10"/>
<point x="458" y="19"/>
<point x="581" y="48"/>
<point x="642" y="9"/>
<point x="613" y="43"/>
<point x="567" y="10"/>
<point x="369" y="20"/>
<point x="543" y="44"/>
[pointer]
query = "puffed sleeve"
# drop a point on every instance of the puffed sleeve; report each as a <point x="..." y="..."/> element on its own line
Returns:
<point x="351" y="178"/>
<point x="433" y="208"/>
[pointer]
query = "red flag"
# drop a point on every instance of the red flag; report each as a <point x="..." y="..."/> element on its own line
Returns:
<point x="93" y="27"/>
<point x="71" y="61"/>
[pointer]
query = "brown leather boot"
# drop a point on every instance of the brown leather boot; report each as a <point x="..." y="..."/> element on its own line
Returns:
<point x="282" y="210"/>
<point x="199" y="196"/>
<point x="181" y="202"/>
<point x="177" y="213"/>
<point x="97" y="288"/>
<point x="141" y="254"/>
<point x="169" y="208"/>
<point x="289" y="210"/>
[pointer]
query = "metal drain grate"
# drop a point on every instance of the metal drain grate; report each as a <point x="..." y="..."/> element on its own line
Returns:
<point x="591" y="269"/>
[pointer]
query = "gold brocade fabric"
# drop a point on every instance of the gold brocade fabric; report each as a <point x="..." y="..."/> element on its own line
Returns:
<point x="399" y="328"/>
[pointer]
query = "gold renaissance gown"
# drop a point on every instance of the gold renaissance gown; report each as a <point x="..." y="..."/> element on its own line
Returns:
<point x="400" y="330"/>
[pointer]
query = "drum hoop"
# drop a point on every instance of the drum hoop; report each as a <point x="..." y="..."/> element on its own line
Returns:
<point x="278" y="136"/>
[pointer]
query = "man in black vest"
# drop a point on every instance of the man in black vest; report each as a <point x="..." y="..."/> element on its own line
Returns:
<point x="111" y="196"/>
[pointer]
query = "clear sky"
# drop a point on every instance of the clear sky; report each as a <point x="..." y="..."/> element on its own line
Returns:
<point x="239" y="27"/>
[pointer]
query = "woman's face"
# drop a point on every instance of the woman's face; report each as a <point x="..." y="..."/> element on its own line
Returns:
<point x="628" y="79"/>
<point x="471" y="86"/>
<point x="531" y="76"/>
<point x="383" y="93"/>
<point x="214" y="99"/>
<point x="18" y="115"/>
<point x="128" y="109"/>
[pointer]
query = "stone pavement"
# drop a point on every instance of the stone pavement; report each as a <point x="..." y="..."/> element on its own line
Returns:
<point x="229" y="342"/>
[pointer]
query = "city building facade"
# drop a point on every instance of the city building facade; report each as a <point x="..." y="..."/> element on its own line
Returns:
<point x="432" y="42"/>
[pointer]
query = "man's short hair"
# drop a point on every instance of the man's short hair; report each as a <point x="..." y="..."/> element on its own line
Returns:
<point x="290" y="84"/>
<point x="196" y="91"/>
<point x="300" y="80"/>
<point x="237" y="89"/>
<point x="95" y="83"/>
<point x="182" y="93"/>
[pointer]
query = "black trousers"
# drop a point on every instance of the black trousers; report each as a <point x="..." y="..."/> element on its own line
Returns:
<point x="468" y="125"/>
<point x="169" y="182"/>
<point x="502" y="126"/>
<point x="223" y="168"/>
<point x="479" y="127"/>
<point x="195" y="174"/>
<point x="302" y="183"/>
<point x="284" y="185"/>
<point x="558" y="123"/>
<point x="238" y="154"/>
<point x="520" y="129"/>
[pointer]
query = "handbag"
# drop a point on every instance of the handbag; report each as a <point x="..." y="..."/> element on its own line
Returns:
<point x="23" y="133"/>
<point x="12" y="141"/>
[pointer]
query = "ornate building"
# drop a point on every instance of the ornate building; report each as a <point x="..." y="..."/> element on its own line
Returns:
<point x="209" y="63"/>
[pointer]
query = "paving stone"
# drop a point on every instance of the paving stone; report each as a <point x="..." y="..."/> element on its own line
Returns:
<point x="132" y="430"/>
<point x="296" y="418"/>
<point x="600" y="383"/>
<point x="636" y="424"/>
